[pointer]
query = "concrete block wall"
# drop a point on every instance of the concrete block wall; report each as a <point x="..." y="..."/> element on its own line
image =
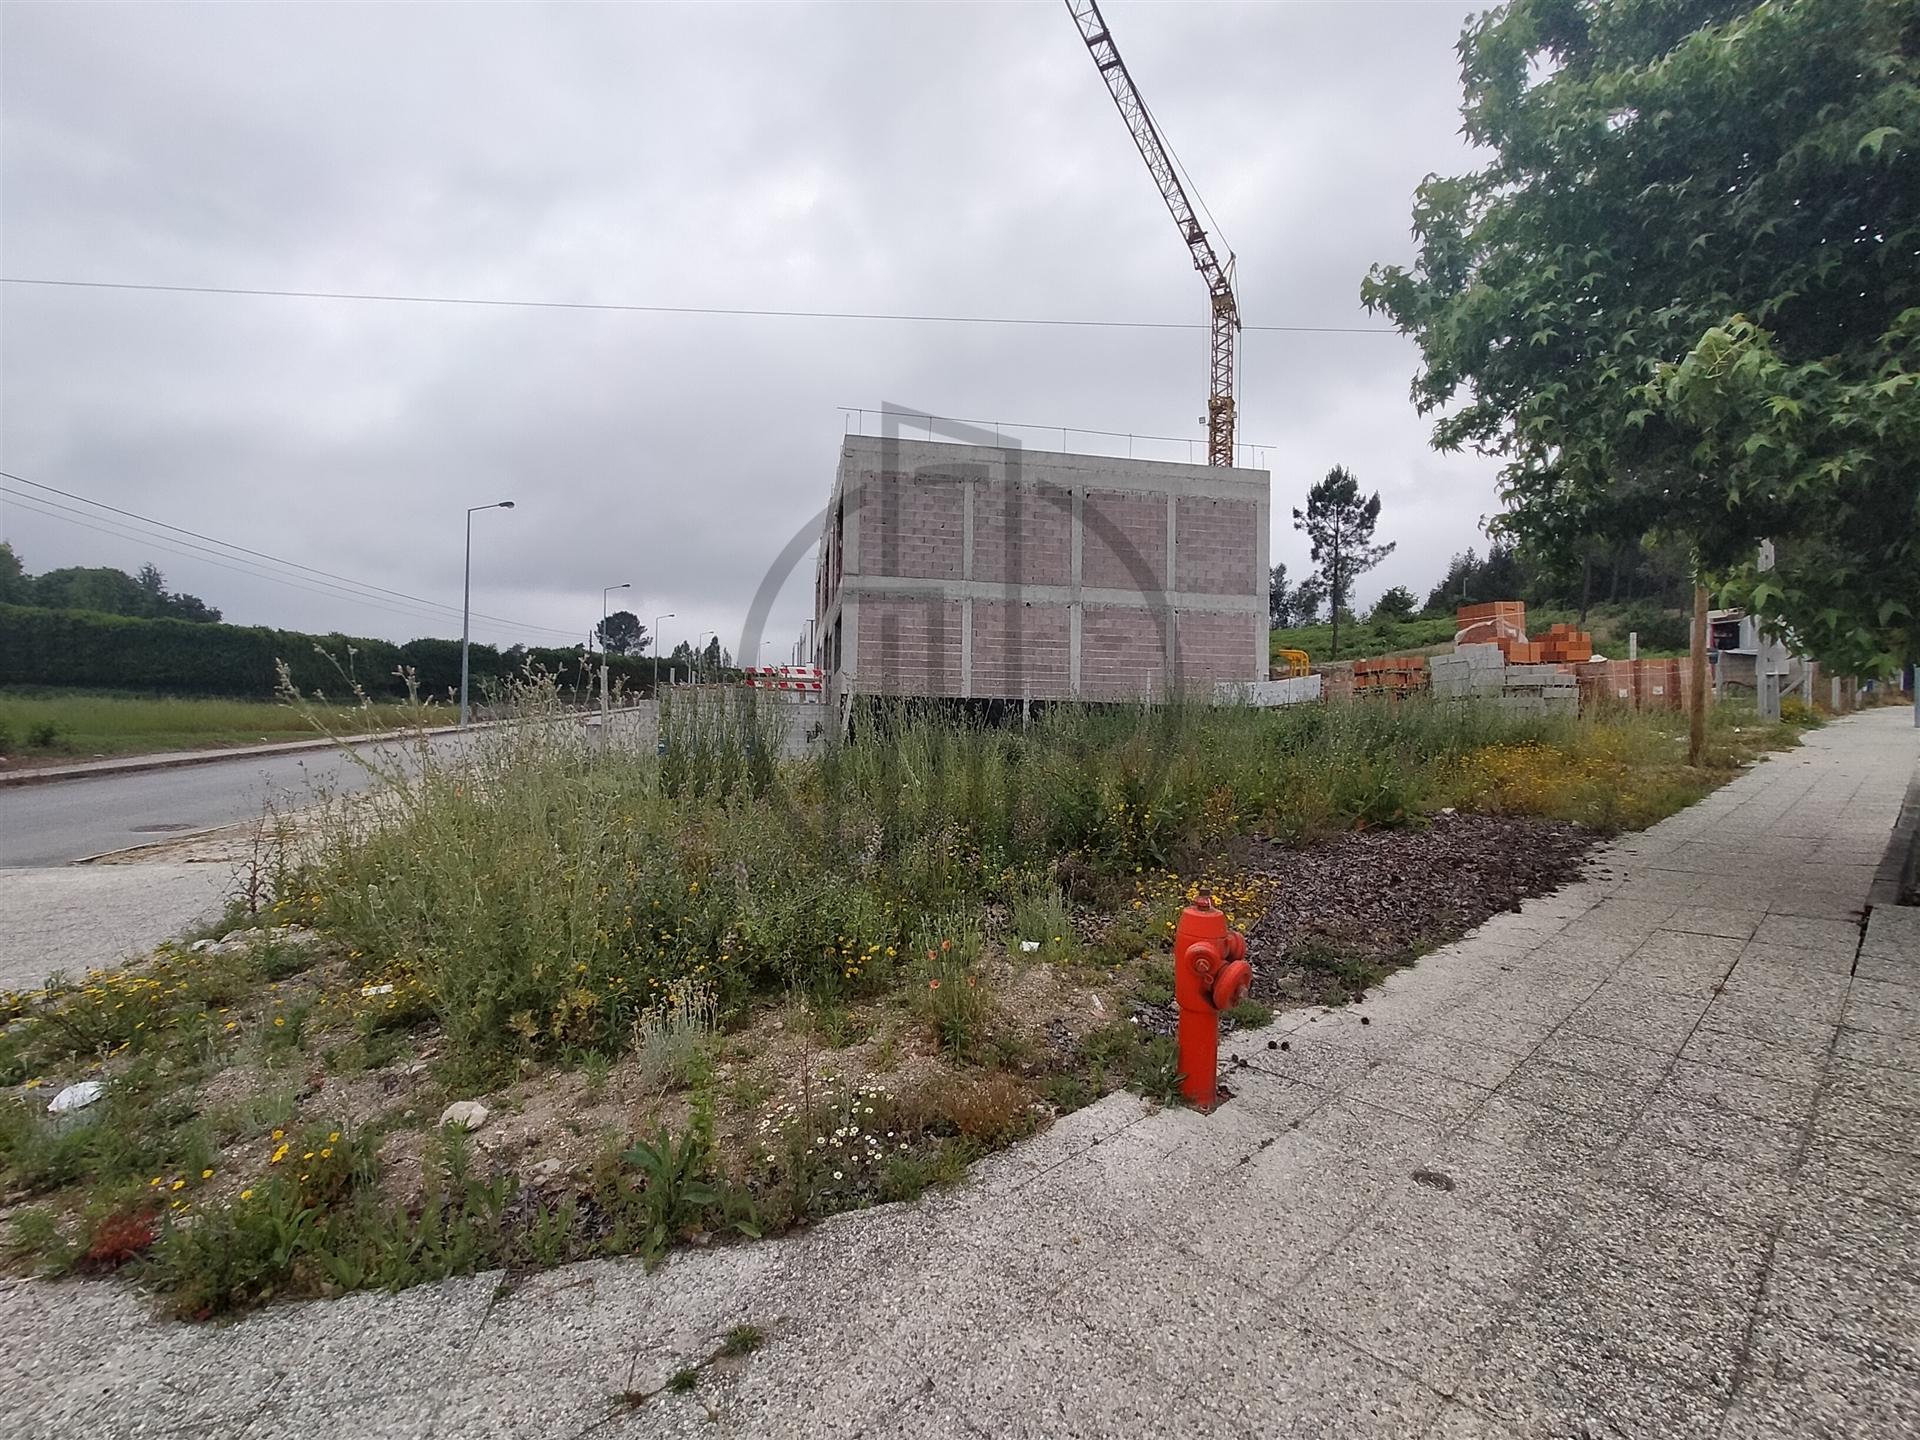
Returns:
<point x="1000" y="573"/>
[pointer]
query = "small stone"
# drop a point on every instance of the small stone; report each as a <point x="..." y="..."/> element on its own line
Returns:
<point x="1286" y="1044"/>
<point x="76" y="1097"/>
<point x="1273" y="1044"/>
<point x="465" y="1114"/>
<point x="550" y="1171"/>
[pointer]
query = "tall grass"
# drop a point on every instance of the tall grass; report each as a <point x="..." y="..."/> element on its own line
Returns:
<point x="80" y="723"/>
<point x="546" y="892"/>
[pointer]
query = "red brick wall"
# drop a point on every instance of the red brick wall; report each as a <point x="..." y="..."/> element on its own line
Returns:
<point x="1214" y="647"/>
<point x="909" y="646"/>
<point x="1217" y="548"/>
<point x="1020" y="650"/>
<point x="1111" y="523"/>
<point x="1025" y="537"/>
<point x="1122" y="653"/>
<point x="911" y="525"/>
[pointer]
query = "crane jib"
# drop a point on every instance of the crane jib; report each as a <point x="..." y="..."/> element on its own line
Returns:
<point x="1225" y="307"/>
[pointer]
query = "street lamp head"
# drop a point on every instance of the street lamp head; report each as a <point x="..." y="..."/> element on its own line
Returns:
<point x="504" y="505"/>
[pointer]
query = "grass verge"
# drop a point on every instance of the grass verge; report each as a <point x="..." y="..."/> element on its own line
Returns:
<point x="52" y="725"/>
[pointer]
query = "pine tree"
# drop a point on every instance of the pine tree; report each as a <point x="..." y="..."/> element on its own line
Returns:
<point x="1339" y="526"/>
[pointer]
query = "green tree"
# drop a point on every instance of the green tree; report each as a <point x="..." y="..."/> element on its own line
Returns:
<point x="621" y="633"/>
<point x="99" y="588"/>
<point x="1280" y="599"/>
<point x="1339" y="523"/>
<point x="14" y="585"/>
<point x="1682" y="297"/>
<point x="1394" y="606"/>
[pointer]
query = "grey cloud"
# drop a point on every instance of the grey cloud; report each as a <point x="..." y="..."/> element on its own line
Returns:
<point x="949" y="159"/>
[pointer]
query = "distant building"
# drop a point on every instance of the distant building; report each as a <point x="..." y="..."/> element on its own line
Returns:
<point x="983" y="572"/>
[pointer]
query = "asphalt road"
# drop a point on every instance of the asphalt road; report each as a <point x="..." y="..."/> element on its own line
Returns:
<point x="69" y="820"/>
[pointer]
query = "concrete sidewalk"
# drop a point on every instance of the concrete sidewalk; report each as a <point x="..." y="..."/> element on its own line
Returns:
<point x="1638" y="1160"/>
<point x="75" y="918"/>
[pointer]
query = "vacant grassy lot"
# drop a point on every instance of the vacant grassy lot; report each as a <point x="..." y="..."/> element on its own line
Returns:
<point x="710" y="994"/>
<point x="68" y="724"/>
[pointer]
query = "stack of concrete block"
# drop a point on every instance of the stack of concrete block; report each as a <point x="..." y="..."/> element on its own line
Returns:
<point x="1472" y="670"/>
<point x="1263" y="694"/>
<point x="1540" y="689"/>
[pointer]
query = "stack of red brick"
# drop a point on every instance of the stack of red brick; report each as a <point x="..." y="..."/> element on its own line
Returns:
<point x="1499" y="622"/>
<point x="1642" y="684"/>
<point x="1564" y="645"/>
<point x="1394" y="675"/>
<point x="1504" y="623"/>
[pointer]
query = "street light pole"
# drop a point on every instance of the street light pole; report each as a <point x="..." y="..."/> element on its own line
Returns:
<point x="605" y="662"/>
<point x="699" y="660"/>
<point x="656" y="650"/>
<point x="466" y="603"/>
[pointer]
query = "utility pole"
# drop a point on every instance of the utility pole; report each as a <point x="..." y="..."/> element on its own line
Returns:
<point x="656" y="651"/>
<point x="1697" y="666"/>
<point x="606" y="703"/>
<point x="466" y="602"/>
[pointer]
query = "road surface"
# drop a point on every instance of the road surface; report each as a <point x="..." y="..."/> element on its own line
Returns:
<point x="69" y="820"/>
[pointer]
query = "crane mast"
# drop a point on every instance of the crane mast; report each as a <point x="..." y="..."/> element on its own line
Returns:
<point x="1224" y="308"/>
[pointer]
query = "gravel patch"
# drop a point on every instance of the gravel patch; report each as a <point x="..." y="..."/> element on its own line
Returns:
<point x="1343" y="912"/>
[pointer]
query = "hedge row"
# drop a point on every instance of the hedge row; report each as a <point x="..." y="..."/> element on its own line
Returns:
<point x="85" y="650"/>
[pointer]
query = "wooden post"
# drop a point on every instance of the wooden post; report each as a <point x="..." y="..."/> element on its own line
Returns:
<point x="1697" y="659"/>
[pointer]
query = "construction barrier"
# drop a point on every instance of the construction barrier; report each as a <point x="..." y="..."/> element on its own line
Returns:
<point x="796" y="679"/>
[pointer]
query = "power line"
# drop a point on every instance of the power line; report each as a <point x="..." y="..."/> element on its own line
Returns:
<point x="388" y="299"/>
<point x="336" y="586"/>
<point x="118" y="532"/>
<point x="32" y="505"/>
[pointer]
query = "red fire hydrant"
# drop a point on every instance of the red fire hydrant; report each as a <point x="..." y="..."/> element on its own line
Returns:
<point x="1210" y="974"/>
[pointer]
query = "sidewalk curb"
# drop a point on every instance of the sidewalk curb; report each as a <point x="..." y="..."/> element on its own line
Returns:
<point x="139" y="764"/>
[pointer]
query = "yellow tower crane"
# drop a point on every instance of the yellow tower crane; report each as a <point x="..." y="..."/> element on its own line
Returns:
<point x="1224" y="308"/>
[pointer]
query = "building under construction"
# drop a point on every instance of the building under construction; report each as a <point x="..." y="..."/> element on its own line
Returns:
<point x="983" y="572"/>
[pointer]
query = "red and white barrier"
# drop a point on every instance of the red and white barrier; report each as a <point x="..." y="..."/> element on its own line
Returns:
<point x="801" y="679"/>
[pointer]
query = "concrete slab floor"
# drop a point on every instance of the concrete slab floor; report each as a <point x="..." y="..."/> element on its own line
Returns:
<point x="1663" y="1183"/>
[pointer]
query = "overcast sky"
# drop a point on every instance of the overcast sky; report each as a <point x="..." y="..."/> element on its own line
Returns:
<point x="953" y="159"/>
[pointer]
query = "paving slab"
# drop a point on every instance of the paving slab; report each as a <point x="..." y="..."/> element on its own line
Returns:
<point x="1631" y="1161"/>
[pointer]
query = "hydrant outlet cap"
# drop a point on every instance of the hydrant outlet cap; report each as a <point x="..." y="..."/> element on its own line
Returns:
<point x="1232" y="984"/>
